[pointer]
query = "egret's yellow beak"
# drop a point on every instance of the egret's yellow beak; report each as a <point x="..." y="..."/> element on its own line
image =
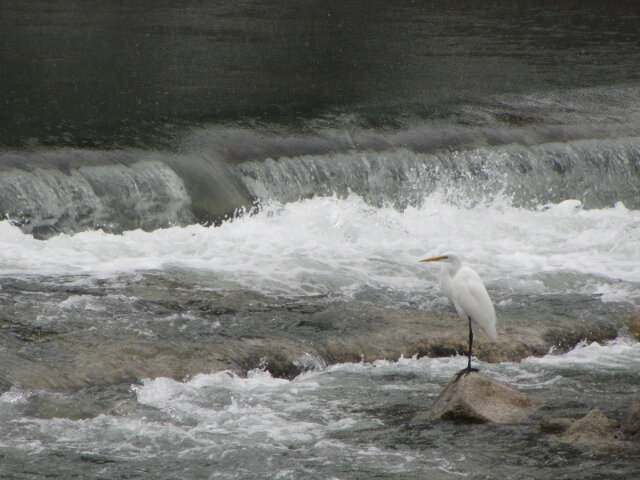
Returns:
<point x="434" y="259"/>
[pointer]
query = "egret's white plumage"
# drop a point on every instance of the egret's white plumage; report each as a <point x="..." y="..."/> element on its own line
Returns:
<point x="463" y="286"/>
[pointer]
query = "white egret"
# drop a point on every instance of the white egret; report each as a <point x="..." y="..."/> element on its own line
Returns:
<point x="463" y="286"/>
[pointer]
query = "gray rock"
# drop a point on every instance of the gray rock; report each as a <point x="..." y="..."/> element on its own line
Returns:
<point x="477" y="398"/>
<point x="631" y="422"/>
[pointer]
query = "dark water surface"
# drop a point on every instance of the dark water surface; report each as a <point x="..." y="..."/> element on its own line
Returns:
<point x="97" y="73"/>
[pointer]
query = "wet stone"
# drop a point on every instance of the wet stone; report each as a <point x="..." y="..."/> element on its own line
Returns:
<point x="596" y="431"/>
<point x="556" y="425"/>
<point x="478" y="398"/>
<point x="633" y="324"/>
<point x="631" y="422"/>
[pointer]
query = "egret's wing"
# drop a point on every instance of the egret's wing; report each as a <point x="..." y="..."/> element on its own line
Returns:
<point x="470" y="296"/>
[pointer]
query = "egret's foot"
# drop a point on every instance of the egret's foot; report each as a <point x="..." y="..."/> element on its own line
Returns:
<point x="465" y="371"/>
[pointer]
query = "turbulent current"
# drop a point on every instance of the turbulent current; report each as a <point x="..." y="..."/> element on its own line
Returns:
<point x="210" y="234"/>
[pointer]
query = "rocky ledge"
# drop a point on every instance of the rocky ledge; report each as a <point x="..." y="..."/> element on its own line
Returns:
<point x="302" y="340"/>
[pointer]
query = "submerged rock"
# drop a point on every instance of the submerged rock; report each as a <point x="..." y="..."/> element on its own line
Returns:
<point x="594" y="424"/>
<point x="598" y="432"/>
<point x="556" y="425"/>
<point x="631" y="422"/>
<point x="633" y="324"/>
<point x="477" y="398"/>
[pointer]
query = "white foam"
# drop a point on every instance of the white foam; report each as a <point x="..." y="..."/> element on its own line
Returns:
<point x="87" y="302"/>
<point x="219" y="414"/>
<point x="532" y="373"/>
<point x="439" y="368"/>
<point x="621" y="353"/>
<point x="15" y="396"/>
<point x="208" y="415"/>
<point x="330" y="245"/>
<point x="259" y="407"/>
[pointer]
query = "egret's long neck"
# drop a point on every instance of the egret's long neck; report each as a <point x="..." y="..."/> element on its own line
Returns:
<point x="448" y="271"/>
<point x="453" y="265"/>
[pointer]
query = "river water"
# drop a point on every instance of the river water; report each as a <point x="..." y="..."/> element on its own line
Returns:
<point x="213" y="216"/>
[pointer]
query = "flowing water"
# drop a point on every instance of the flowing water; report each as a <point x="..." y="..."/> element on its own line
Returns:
<point x="213" y="216"/>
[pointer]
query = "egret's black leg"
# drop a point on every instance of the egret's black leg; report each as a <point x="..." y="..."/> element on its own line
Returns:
<point x="466" y="371"/>
<point x="470" y="343"/>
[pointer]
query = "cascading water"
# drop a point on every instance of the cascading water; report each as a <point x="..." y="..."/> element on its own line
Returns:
<point x="598" y="173"/>
<point x="79" y="190"/>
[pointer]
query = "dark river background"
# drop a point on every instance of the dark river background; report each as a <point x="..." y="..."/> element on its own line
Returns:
<point x="212" y="216"/>
<point x="119" y="74"/>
